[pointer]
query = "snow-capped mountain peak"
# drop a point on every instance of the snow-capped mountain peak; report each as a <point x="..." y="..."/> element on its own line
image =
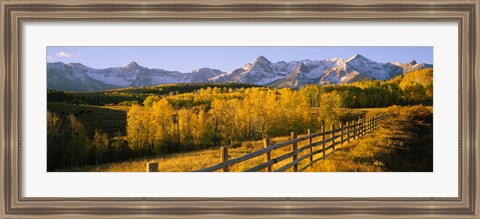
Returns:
<point x="261" y="72"/>
<point x="78" y="77"/>
<point x="196" y="71"/>
<point x="77" y="65"/>
<point x="262" y="59"/>
<point x="357" y="57"/>
<point x="294" y="74"/>
<point x="132" y="65"/>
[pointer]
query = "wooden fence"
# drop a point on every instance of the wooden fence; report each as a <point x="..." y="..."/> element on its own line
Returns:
<point x="330" y="139"/>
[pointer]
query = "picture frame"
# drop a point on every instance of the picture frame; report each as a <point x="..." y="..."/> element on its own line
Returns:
<point x="14" y="13"/>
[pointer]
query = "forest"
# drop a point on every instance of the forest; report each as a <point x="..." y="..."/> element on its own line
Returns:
<point x="168" y="119"/>
<point x="131" y="95"/>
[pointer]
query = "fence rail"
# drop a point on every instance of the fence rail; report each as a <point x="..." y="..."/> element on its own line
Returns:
<point x="330" y="139"/>
<point x="336" y="136"/>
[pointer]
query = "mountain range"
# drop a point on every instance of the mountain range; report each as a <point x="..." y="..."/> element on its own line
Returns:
<point x="293" y="74"/>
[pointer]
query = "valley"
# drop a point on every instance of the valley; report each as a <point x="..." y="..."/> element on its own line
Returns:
<point x="117" y="129"/>
<point x="381" y="151"/>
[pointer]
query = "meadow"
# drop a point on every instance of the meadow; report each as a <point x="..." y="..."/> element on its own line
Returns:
<point x="183" y="126"/>
<point x="400" y="144"/>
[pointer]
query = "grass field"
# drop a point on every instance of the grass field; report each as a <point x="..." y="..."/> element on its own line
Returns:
<point x="184" y="162"/>
<point x="398" y="145"/>
<point x="188" y="161"/>
<point x="401" y="144"/>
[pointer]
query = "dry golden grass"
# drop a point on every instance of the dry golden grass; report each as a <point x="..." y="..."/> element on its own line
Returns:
<point x="115" y="107"/>
<point x="370" y="153"/>
<point x="358" y="156"/>
<point x="400" y="144"/>
<point x="189" y="161"/>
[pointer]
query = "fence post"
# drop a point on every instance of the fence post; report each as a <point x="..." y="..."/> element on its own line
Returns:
<point x="333" y="136"/>
<point x="152" y="166"/>
<point x="360" y="128"/>
<point x="268" y="156"/>
<point x="355" y="131"/>
<point x="323" y="139"/>
<point x="294" y="147"/>
<point x="341" y="134"/>
<point x="366" y="125"/>
<point x="310" y="145"/>
<point x="354" y="128"/>
<point x="371" y="123"/>
<point x="367" y="128"/>
<point x="348" y="132"/>
<point x="225" y="157"/>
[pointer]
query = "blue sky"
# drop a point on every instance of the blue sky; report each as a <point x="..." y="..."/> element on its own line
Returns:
<point x="186" y="59"/>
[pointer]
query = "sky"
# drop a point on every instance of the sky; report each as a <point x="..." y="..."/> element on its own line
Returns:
<point x="186" y="59"/>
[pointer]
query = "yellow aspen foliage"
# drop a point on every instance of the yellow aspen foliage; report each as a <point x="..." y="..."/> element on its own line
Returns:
<point x="100" y="144"/>
<point x="138" y="129"/>
<point x="223" y="117"/>
<point x="148" y="102"/>
<point x="329" y="104"/>
<point x="417" y="86"/>
<point x="187" y="124"/>
<point x="162" y="125"/>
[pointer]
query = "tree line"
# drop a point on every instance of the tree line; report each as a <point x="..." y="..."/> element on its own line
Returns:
<point x="234" y="116"/>
<point x="410" y="89"/>
<point x="132" y="95"/>
<point x="70" y="146"/>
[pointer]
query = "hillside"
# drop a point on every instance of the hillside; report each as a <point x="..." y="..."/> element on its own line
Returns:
<point x="109" y="119"/>
<point x="402" y="144"/>
<point x="170" y="119"/>
<point x="134" y="95"/>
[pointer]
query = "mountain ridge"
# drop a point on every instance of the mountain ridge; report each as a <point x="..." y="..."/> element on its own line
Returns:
<point x="292" y="74"/>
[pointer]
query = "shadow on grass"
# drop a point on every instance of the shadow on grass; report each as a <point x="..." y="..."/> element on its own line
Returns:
<point x="108" y="120"/>
<point x="409" y="144"/>
<point x="400" y="144"/>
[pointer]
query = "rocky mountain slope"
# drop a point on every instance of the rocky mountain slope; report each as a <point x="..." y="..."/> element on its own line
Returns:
<point x="293" y="74"/>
